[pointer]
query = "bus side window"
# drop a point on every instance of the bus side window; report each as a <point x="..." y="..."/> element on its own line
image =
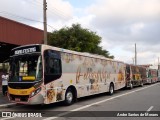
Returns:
<point x="52" y="66"/>
<point x="46" y="64"/>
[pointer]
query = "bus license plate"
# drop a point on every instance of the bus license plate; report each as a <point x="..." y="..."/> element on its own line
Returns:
<point x="23" y="92"/>
<point x="17" y="99"/>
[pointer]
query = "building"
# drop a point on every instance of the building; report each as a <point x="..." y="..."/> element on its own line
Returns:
<point x="13" y="34"/>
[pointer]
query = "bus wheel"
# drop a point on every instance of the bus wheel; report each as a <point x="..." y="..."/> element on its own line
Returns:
<point x="69" y="97"/>
<point x="142" y="84"/>
<point x="111" y="89"/>
<point x="131" y="86"/>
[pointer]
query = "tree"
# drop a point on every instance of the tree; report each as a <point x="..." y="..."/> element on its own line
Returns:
<point x="78" y="39"/>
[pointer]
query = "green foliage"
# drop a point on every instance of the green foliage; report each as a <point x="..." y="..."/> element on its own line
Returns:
<point x="78" y="39"/>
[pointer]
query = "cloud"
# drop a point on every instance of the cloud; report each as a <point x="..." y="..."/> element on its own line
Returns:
<point x="60" y="8"/>
<point x="126" y="20"/>
<point x="57" y="10"/>
<point x="136" y="28"/>
<point x="126" y="10"/>
<point x="120" y="23"/>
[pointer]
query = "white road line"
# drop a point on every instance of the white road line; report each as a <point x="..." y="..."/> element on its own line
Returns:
<point x="150" y="109"/>
<point x="102" y="101"/>
<point x="7" y="118"/>
<point x="8" y="104"/>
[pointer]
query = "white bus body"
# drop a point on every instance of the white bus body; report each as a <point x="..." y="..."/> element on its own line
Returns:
<point x="63" y="70"/>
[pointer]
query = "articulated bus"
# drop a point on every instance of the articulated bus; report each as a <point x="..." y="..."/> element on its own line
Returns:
<point x="42" y="74"/>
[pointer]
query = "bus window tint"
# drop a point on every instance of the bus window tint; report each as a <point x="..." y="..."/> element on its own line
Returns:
<point x="26" y="66"/>
<point x="52" y="66"/>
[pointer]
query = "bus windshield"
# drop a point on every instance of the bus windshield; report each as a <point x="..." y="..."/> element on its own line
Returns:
<point x="26" y="68"/>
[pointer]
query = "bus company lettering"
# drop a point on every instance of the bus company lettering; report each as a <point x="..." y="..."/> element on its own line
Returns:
<point x="24" y="51"/>
<point x="97" y="75"/>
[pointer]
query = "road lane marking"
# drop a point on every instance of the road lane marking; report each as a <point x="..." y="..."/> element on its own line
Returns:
<point x="150" y="109"/>
<point x="8" y="104"/>
<point x="7" y="118"/>
<point x="102" y="101"/>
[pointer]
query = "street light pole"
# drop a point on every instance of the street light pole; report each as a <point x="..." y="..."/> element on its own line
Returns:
<point x="45" y="21"/>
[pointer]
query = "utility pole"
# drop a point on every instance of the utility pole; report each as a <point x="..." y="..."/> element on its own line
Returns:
<point x="135" y="55"/>
<point x="45" y="21"/>
<point x="158" y="64"/>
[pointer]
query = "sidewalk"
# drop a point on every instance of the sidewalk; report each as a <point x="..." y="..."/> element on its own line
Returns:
<point x="3" y="99"/>
<point x="4" y="102"/>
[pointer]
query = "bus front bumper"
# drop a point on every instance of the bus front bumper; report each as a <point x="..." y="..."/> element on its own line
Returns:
<point x="25" y="99"/>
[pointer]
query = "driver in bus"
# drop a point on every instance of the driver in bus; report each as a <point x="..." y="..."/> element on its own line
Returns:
<point x="32" y="69"/>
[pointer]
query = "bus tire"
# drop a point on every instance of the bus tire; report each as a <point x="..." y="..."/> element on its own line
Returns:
<point x="111" y="89"/>
<point x="142" y="84"/>
<point x="131" y="86"/>
<point x="69" y="97"/>
<point x="151" y="81"/>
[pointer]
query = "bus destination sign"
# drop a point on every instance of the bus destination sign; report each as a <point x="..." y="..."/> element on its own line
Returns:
<point x="24" y="51"/>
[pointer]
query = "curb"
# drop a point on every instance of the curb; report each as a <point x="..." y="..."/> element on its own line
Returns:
<point x="7" y="105"/>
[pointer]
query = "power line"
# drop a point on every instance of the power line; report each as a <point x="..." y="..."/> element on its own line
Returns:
<point x="52" y="10"/>
<point x="37" y="3"/>
<point x="24" y="18"/>
<point x="17" y="16"/>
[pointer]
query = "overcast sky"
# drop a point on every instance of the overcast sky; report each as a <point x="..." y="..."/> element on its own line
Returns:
<point x="120" y="23"/>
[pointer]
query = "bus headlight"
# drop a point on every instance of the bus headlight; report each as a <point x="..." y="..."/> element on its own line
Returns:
<point x="35" y="92"/>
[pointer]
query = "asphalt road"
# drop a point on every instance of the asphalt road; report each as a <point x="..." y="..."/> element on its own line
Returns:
<point x="140" y="101"/>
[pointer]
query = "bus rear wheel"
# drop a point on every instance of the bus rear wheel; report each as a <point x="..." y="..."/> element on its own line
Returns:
<point x="111" y="89"/>
<point x="141" y="84"/>
<point x="131" y="86"/>
<point x="69" y="97"/>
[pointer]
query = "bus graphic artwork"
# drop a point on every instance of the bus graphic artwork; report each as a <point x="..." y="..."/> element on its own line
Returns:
<point x="42" y="74"/>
